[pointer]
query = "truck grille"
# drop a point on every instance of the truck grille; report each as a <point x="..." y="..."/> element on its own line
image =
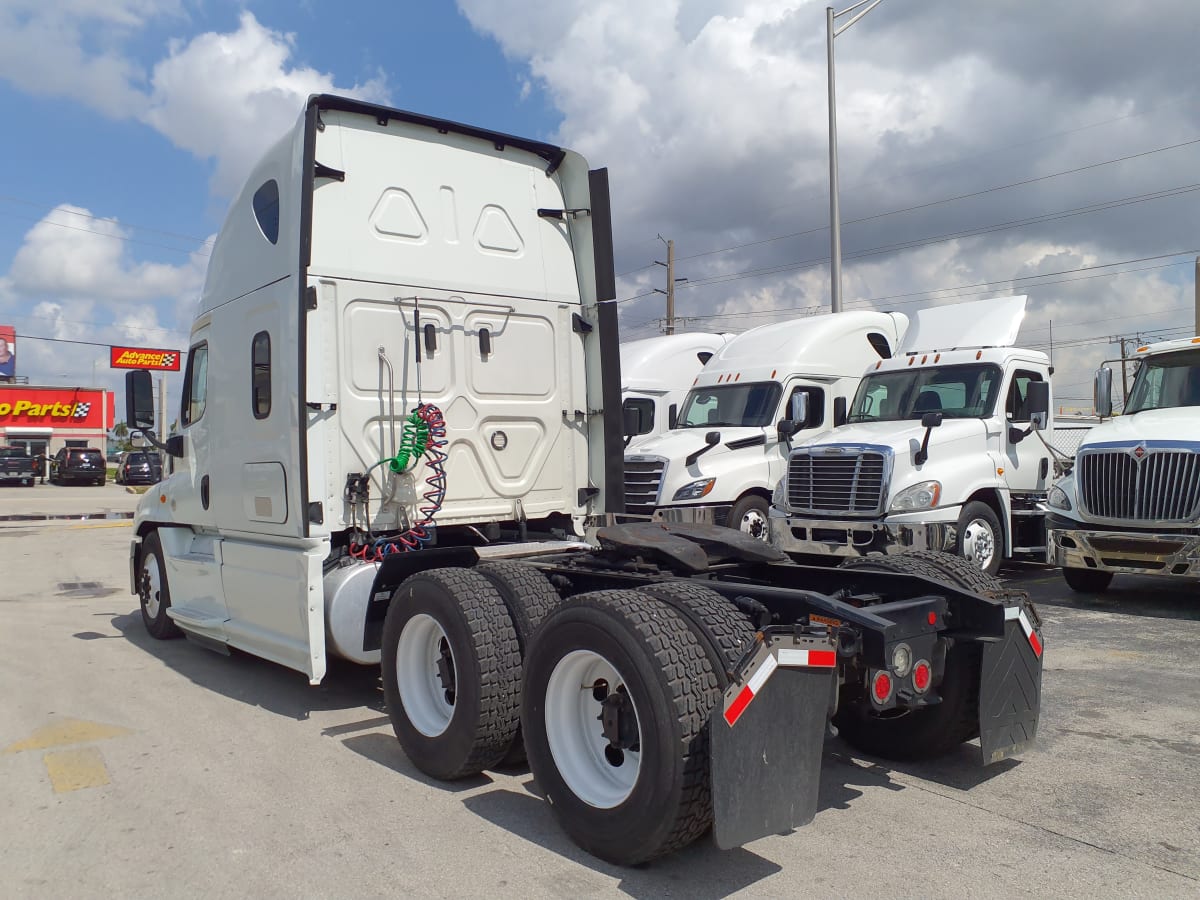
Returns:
<point x="1161" y="486"/>
<point x="642" y="481"/>
<point x="851" y="483"/>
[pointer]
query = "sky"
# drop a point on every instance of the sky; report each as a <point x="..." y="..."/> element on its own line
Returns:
<point x="985" y="149"/>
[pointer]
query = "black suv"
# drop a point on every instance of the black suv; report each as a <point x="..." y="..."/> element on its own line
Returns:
<point x="139" y="467"/>
<point x="84" y="464"/>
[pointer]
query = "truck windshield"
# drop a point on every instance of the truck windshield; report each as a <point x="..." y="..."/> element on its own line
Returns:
<point x="749" y="405"/>
<point x="1172" y="379"/>
<point x="957" y="392"/>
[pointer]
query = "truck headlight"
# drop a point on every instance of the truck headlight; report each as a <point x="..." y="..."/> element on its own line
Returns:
<point x="695" y="490"/>
<point x="779" y="495"/>
<point x="1058" y="498"/>
<point x="920" y="496"/>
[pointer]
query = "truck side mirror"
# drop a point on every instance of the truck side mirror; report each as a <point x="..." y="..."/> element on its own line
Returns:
<point x="798" y="413"/>
<point x="1102" y="392"/>
<point x="139" y="400"/>
<point x="1037" y="401"/>
<point x="174" y="447"/>
<point x="839" y="411"/>
<point x="673" y="415"/>
<point x="931" y="420"/>
<point x="631" y="420"/>
<point x="786" y="428"/>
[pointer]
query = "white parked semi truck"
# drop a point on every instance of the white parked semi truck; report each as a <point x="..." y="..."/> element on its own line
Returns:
<point x="1131" y="503"/>
<point x="730" y="443"/>
<point x="656" y="374"/>
<point x="938" y="452"/>
<point x="402" y="393"/>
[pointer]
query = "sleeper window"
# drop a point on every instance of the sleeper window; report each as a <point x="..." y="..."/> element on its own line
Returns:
<point x="260" y="375"/>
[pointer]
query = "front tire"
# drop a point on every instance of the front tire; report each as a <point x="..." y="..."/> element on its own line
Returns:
<point x="1087" y="581"/>
<point x="634" y="787"/>
<point x="750" y="516"/>
<point x="451" y="672"/>
<point x="154" y="593"/>
<point x="980" y="539"/>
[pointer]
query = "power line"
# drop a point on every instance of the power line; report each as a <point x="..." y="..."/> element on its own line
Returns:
<point x="5" y="198"/>
<point x="108" y="234"/>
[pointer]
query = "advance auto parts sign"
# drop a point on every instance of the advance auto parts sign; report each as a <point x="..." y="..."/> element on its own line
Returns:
<point x="137" y="358"/>
<point x="55" y="408"/>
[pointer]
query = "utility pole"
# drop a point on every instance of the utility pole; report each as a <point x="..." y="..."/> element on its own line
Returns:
<point x="835" y="217"/>
<point x="162" y="407"/>
<point x="1196" y="288"/>
<point x="1124" y="375"/>
<point x="671" y="281"/>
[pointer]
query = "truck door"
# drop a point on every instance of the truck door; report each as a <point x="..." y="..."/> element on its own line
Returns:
<point x="1027" y="466"/>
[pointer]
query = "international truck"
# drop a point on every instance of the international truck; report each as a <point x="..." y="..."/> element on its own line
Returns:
<point x="1131" y="502"/>
<point x="401" y="419"/>
<point x="938" y="451"/>
<point x="656" y="374"/>
<point x="729" y="445"/>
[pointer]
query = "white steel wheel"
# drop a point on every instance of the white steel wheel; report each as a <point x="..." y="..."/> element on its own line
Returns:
<point x="151" y="583"/>
<point x="979" y="543"/>
<point x="597" y="772"/>
<point x="426" y="675"/>
<point x="749" y="516"/>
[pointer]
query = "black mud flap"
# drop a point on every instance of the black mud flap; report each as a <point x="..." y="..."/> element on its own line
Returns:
<point x="767" y="739"/>
<point x="1010" y="685"/>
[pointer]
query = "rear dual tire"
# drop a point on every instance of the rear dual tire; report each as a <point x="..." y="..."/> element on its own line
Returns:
<point x="632" y="803"/>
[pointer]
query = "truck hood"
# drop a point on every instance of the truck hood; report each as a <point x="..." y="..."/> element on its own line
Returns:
<point x="677" y="445"/>
<point x="1179" y="424"/>
<point x="904" y="437"/>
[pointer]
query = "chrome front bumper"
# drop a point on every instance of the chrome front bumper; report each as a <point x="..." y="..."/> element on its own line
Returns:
<point x="845" y="538"/>
<point x="1120" y="551"/>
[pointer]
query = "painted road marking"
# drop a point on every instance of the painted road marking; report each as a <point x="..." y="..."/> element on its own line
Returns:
<point x="65" y="733"/>
<point x="124" y="524"/>
<point x="74" y="770"/>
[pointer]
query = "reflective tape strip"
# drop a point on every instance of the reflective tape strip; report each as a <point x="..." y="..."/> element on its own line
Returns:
<point x="1027" y="627"/>
<point x="790" y="656"/>
<point x="1011" y="612"/>
<point x="735" y="709"/>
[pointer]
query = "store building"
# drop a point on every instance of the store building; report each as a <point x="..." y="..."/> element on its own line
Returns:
<point x="43" y="420"/>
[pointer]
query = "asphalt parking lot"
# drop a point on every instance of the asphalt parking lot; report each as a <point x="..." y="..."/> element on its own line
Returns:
<point x="140" y="768"/>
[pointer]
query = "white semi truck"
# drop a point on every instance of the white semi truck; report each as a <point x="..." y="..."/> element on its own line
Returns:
<point x="730" y="442"/>
<point x="938" y="452"/>
<point x="1131" y="503"/>
<point x="656" y="374"/>
<point x="402" y="394"/>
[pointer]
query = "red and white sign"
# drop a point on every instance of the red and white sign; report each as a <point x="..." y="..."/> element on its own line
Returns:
<point x="56" y="407"/>
<point x="143" y="358"/>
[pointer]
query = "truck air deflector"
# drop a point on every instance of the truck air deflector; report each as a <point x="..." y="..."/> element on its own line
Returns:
<point x="552" y="154"/>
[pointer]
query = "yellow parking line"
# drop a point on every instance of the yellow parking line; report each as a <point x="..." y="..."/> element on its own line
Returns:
<point x="73" y="770"/>
<point x="123" y="523"/>
<point x="65" y="733"/>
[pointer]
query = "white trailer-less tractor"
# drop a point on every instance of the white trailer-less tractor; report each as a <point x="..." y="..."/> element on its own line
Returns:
<point x="1132" y="501"/>
<point x="402" y="383"/>
<point x="939" y="452"/>
<point x="656" y="374"/>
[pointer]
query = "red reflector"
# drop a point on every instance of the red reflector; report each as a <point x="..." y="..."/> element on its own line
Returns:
<point x="933" y="618"/>
<point x="921" y="676"/>
<point x="1035" y="643"/>
<point x="822" y="657"/>
<point x="882" y="686"/>
<point x="738" y="706"/>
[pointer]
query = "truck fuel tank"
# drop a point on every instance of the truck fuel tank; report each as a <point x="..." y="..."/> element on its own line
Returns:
<point x="347" y="593"/>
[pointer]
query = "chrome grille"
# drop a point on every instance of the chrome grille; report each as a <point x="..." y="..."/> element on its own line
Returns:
<point x="1164" y="486"/>
<point x="851" y="483"/>
<point x="642" y="481"/>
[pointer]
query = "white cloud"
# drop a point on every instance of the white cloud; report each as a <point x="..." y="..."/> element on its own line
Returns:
<point x="227" y="97"/>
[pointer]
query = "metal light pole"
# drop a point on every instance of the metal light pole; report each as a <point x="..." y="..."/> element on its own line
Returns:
<point x="835" y="217"/>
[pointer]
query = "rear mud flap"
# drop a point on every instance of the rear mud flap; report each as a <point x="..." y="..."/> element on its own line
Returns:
<point x="767" y="739"/>
<point x="1010" y="685"/>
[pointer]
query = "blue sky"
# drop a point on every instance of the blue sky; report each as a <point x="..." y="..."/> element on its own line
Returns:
<point x="130" y="123"/>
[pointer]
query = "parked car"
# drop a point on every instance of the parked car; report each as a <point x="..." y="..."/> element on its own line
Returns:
<point x="139" y="467"/>
<point x="17" y="465"/>
<point x="82" y="464"/>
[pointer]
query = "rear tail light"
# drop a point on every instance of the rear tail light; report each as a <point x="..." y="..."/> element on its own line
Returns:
<point x="881" y="687"/>
<point x="922" y="676"/>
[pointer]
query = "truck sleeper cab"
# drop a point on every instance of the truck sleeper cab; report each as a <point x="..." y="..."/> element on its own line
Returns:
<point x="402" y="383"/>
<point x="939" y="451"/>
<point x="764" y="389"/>
<point x="656" y="374"/>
